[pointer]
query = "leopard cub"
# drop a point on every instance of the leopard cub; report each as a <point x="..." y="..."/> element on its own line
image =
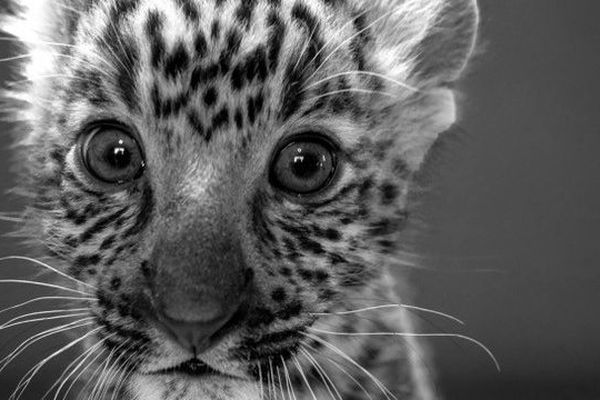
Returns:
<point x="227" y="180"/>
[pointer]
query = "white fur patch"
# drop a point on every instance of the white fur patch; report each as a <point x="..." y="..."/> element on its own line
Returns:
<point x="144" y="387"/>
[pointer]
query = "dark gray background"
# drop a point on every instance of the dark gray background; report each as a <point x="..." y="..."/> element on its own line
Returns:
<point x="509" y="226"/>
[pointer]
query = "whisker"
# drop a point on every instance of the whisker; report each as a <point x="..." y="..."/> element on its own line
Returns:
<point x="260" y="379"/>
<point x="100" y="381"/>
<point x="37" y="299"/>
<point x="68" y="8"/>
<point x="116" y="369"/>
<point x="388" y="394"/>
<point x="27" y="378"/>
<point x="306" y="45"/>
<point x="42" y="77"/>
<point x="304" y="378"/>
<point x="121" y="45"/>
<point x="398" y="305"/>
<point x="41" y="336"/>
<point x="288" y="379"/>
<point x="367" y="73"/>
<point x="90" y="379"/>
<point x="333" y="37"/>
<point x="349" y="39"/>
<point x="7" y="324"/>
<point x="417" y="335"/>
<point x="42" y="284"/>
<point x="45" y="319"/>
<point x="271" y="379"/>
<point x="15" y="58"/>
<point x="11" y="219"/>
<point x="322" y="374"/>
<point x="43" y="42"/>
<point x="351" y="90"/>
<point x="128" y="370"/>
<point x="80" y="374"/>
<point x="49" y="267"/>
<point x="71" y="381"/>
<point x="281" y="384"/>
<point x="81" y="359"/>
<point x="352" y="378"/>
<point x="108" y="379"/>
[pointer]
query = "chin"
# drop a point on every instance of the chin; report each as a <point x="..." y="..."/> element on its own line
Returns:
<point x="184" y="387"/>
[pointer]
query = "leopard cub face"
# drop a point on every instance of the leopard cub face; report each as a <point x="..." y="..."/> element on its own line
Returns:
<point x="221" y="174"/>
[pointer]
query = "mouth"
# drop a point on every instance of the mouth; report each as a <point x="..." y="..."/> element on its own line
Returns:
<point x="194" y="368"/>
<point x="273" y="345"/>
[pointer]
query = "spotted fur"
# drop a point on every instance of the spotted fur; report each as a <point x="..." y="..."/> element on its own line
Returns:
<point x="212" y="87"/>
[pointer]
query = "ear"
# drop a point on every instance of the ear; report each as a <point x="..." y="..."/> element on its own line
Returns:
<point x="424" y="42"/>
<point x="39" y="23"/>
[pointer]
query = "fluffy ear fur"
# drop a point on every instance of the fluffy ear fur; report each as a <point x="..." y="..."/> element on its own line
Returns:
<point x="427" y="42"/>
<point x="44" y="29"/>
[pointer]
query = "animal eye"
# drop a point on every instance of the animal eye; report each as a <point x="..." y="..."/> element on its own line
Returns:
<point x="305" y="165"/>
<point x="112" y="155"/>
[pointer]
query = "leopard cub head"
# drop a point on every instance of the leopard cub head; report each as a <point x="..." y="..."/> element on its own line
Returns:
<point x="222" y="173"/>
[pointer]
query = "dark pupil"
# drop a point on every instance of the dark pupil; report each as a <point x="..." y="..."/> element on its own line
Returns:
<point x="306" y="165"/>
<point x="118" y="156"/>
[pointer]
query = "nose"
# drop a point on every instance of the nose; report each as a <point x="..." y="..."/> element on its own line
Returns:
<point x="200" y="320"/>
<point x="197" y="276"/>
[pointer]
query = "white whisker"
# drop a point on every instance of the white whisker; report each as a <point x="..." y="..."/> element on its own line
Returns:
<point x="271" y="380"/>
<point x="397" y="305"/>
<point x="260" y="379"/>
<point x="334" y="37"/>
<point x="416" y="335"/>
<point x="68" y="8"/>
<point x="349" y="39"/>
<point x="42" y="284"/>
<point x="11" y="219"/>
<point x="100" y="381"/>
<point x="366" y="73"/>
<point x="350" y="90"/>
<point x="80" y="374"/>
<point x="322" y="374"/>
<point x="45" y="319"/>
<point x="38" y="299"/>
<point x="352" y="378"/>
<point x="304" y="378"/>
<point x="388" y="394"/>
<point x="288" y="380"/>
<point x="283" y="397"/>
<point x="128" y="370"/>
<point x="15" y="58"/>
<point x="80" y="361"/>
<point x="42" y="77"/>
<point x="90" y="380"/>
<point x="41" y="336"/>
<point x="49" y="267"/>
<point x="26" y="380"/>
<point x="117" y="369"/>
<point x="42" y="42"/>
<point x="64" y="312"/>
